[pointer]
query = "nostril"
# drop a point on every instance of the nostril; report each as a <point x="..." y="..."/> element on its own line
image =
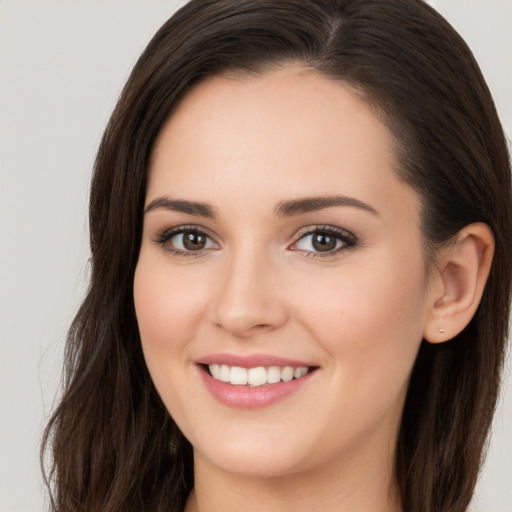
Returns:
<point x="261" y="326"/>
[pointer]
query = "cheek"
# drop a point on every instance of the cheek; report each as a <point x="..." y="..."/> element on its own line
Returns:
<point x="168" y="309"/>
<point x="167" y="304"/>
<point x="370" y="321"/>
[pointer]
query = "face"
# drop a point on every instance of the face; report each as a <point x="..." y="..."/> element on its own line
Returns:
<point x="281" y="254"/>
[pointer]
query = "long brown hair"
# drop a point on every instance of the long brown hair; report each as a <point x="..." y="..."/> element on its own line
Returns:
<point x="114" y="446"/>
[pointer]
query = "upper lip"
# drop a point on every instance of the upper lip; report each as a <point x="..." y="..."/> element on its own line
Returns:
<point x="251" y="361"/>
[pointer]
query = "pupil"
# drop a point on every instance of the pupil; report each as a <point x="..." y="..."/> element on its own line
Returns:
<point x="324" y="243"/>
<point x="193" y="241"/>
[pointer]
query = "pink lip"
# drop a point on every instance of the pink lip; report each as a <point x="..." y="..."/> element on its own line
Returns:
<point x="246" y="397"/>
<point x="251" y="361"/>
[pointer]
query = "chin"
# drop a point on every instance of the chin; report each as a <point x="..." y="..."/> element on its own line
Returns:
<point x="253" y="457"/>
<point x="254" y="465"/>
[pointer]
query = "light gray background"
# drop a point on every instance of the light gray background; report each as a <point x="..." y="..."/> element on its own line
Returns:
<point x="62" y="66"/>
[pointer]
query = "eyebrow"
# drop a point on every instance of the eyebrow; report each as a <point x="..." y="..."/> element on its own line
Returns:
<point x="182" y="206"/>
<point x="283" y="209"/>
<point x="313" y="204"/>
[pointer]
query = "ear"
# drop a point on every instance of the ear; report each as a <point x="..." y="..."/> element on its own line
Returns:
<point x="458" y="282"/>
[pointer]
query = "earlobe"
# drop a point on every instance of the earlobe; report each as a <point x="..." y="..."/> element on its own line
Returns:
<point x="460" y="277"/>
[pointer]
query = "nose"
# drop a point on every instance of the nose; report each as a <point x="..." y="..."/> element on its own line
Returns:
<point x="250" y="300"/>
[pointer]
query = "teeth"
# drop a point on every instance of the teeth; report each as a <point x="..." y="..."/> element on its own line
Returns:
<point x="238" y="375"/>
<point x="258" y="376"/>
<point x="273" y="374"/>
<point x="224" y="373"/>
<point x="287" y="373"/>
<point x="215" y="371"/>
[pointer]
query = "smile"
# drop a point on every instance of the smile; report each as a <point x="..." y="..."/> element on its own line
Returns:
<point x="255" y="381"/>
<point x="255" y="377"/>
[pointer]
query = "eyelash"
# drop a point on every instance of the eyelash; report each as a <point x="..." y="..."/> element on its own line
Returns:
<point x="163" y="240"/>
<point x="347" y="239"/>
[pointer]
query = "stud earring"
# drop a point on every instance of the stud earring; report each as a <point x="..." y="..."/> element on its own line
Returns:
<point x="441" y="331"/>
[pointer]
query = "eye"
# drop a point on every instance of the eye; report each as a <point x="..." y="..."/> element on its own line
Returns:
<point x="185" y="241"/>
<point x="191" y="241"/>
<point x="324" y="241"/>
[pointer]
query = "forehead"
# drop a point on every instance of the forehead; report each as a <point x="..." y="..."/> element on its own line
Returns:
<point x="294" y="102"/>
<point x="289" y="131"/>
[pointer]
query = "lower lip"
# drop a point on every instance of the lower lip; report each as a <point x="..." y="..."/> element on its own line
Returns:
<point x="246" y="397"/>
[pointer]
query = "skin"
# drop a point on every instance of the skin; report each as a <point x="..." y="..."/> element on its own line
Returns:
<point x="243" y="146"/>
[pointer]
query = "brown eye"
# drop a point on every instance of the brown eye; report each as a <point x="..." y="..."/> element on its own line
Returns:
<point x="182" y="241"/>
<point x="193" y="241"/>
<point x="323" y="242"/>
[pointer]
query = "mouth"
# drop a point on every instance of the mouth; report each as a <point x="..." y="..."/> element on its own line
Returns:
<point x="256" y="376"/>
<point x="254" y="381"/>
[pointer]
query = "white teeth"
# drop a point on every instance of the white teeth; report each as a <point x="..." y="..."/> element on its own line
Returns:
<point x="257" y="376"/>
<point x="215" y="371"/>
<point x="225" y="370"/>
<point x="273" y="374"/>
<point x="287" y="373"/>
<point x="238" y="376"/>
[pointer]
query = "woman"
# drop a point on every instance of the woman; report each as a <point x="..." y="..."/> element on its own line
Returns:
<point x="301" y="223"/>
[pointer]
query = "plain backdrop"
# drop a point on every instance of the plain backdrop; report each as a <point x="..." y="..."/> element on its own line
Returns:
<point x="62" y="66"/>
